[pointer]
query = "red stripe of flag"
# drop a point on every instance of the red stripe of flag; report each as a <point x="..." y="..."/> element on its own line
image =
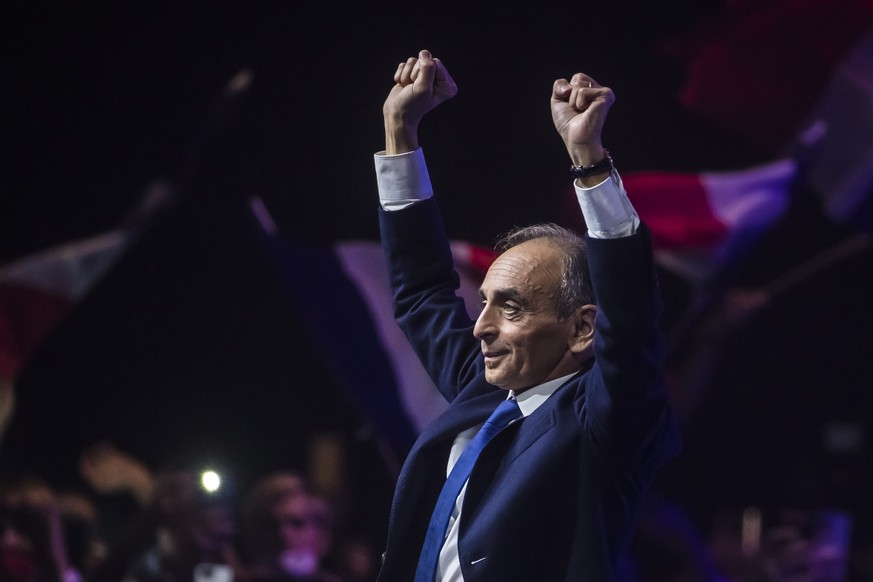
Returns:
<point x="27" y="317"/>
<point x="676" y="208"/>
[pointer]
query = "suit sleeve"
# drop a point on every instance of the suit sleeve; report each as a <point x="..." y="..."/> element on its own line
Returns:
<point x="424" y="282"/>
<point x="626" y="405"/>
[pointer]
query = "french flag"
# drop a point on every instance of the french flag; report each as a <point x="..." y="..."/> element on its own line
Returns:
<point x="701" y="220"/>
<point x="795" y="77"/>
<point x="40" y="290"/>
<point x="341" y="292"/>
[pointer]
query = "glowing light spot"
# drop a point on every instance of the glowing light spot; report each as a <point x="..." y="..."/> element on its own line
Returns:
<point x="211" y="481"/>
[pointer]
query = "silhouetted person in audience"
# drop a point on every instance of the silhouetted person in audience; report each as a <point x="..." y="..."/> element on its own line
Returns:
<point x="181" y="529"/>
<point x="32" y="543"/>
<point x="286" y="531"/>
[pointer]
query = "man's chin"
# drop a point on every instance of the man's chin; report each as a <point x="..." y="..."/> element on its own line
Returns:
<point x="496" y="379"/>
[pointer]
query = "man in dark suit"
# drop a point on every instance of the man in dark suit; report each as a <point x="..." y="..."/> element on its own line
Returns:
<point x="568" y="329"/>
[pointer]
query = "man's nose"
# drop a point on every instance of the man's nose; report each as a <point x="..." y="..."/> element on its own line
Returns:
<point x="485" y="329"/>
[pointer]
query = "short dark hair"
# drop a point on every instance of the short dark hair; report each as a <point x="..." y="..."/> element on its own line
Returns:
<point x="575" y="289"/>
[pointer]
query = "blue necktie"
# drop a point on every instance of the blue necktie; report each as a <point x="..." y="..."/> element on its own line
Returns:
<point x="505" y="413"/>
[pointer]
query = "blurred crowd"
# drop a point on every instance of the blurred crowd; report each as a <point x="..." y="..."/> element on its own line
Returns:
<point x="184" y="527"/>
<point x="177" y="525"/>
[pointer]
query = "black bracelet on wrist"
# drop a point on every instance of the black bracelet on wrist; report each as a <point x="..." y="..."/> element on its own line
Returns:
<point x="604" y="165"/>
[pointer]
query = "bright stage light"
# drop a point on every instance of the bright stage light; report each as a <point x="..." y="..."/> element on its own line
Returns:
<point x="210" y="480"/>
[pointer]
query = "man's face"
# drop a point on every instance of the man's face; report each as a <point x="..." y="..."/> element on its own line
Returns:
<point x="296" y="527"/>
<point x="303" y="534"/>
<point x="523" y="342"/>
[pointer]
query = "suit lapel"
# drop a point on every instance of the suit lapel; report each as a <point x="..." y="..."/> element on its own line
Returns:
<point x="507" y="446"/>
<point x="535" y="426"/>
<point x="423" y="473"/>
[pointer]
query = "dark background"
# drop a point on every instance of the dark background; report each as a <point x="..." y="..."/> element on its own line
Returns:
<point x="190" y="353"/>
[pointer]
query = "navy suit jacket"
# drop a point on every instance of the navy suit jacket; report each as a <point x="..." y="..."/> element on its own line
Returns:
<point x="553" y="497"/>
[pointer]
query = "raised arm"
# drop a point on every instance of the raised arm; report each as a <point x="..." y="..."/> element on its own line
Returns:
<point x="420" y="85"/>
<point x="579" y="109"/>
<point x="422" y="276"/>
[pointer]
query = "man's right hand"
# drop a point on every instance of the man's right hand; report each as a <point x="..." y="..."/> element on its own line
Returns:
<point x="420" y="85"/>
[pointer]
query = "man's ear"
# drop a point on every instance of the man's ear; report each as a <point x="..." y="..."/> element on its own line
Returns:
<point x="582" y="336"/>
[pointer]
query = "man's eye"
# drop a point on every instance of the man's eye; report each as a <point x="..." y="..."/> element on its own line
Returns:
<point x="511" y="309"/>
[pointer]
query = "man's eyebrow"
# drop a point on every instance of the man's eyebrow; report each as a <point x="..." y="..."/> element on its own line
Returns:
<point x="506" y="294"/>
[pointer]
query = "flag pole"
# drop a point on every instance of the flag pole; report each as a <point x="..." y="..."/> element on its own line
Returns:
<point x="818" y="263"/>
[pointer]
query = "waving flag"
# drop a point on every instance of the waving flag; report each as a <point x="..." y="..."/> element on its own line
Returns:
<point x="794" y="78"/>
<point x="701" y="221"/>
<point x="759" y="68"/>
<point x="38" y="291"/>
<point x="839" y="141"/>
<point x="342" y="292"/>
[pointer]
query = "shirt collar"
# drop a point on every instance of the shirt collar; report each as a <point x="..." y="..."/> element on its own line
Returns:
<point x="532" y="398"/>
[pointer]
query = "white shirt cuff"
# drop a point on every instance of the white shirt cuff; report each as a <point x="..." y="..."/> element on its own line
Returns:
<point x="608" y="212"/>
<point x="402" y="179"/>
